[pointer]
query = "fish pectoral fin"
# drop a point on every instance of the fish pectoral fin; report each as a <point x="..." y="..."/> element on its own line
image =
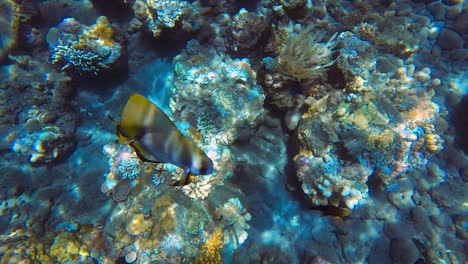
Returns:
<point x="129" y="141"/>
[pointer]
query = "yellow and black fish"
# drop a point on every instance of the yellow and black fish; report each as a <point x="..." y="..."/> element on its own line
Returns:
<point x="154" y="138"/>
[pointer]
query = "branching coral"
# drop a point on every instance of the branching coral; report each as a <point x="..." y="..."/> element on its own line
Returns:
<point x="72" y="58"/>
<point x="209" y="251"/>
<point x="304" y="58"/>
<point x="82" y="48"/>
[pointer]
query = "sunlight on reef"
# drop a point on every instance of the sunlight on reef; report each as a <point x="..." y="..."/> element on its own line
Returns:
<point x="173" y="131"/>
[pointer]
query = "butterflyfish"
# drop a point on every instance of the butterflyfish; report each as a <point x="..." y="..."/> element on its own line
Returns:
<point x="155" y="138"/>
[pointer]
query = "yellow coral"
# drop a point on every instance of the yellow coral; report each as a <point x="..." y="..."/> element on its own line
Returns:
<point x="164" y="208"/>
<point x="367" y="31"/>
<point x="431" y="141"/>
<point x="138" y="225"/>
<point x="66" y="247"/>
<point x="382" y="140"/>
<point x="209" y="252"/>
<point x="101" y="31"/>
<point x="28" y="251"/>
<point x="140" y="10"/>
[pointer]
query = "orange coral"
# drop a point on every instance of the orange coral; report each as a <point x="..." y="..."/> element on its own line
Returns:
<point x="102" y="31"/>
<point x="209" y="252"/>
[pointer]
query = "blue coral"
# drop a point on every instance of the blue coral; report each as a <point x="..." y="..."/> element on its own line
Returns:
<point x="129" y="168"/>
<point x="172" y="245"/>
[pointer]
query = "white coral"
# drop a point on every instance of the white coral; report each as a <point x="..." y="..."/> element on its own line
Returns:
<point x="198" y="189"/>
<point x="234" y="221"/>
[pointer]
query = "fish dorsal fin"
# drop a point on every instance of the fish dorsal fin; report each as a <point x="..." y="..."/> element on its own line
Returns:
<point x="134" y="119"/>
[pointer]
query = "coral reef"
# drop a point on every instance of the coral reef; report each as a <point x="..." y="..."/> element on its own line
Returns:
<point x="223" y="166"/>
<point x="246" y="30"/>
<point x="301" y="65"/>
<point x="121" y="190"/>
<point x="67" y="247"/>
<point x="158" y="228"/>
<point x="83" y="49"/>
<point x="370" y="143"/>
<point x="167" y="14"/>
<point x="351" y="104"/>
<point x="221" y="98"/>
<point x="8" y="27"/>
<point x="209" y="251"/>
<point x="44" y="146"/>
<point x="44" y="122"/>
<point x="234" y="218"/>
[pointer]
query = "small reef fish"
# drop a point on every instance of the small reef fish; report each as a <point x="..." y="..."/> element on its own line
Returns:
<point x="154" y="138"/>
